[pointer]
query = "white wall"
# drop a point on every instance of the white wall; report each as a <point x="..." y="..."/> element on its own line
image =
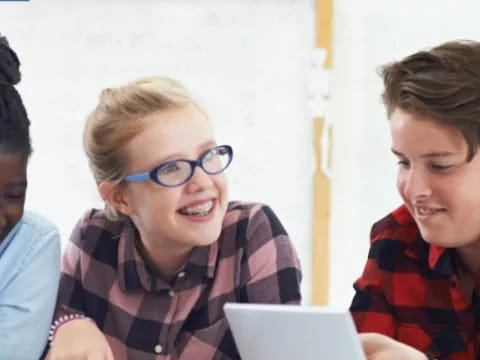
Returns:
<point x="368" y="34"/>
<point x="246" y="60"/>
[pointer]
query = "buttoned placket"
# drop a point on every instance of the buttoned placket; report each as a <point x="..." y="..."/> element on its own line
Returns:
<point x="159" y="348"/>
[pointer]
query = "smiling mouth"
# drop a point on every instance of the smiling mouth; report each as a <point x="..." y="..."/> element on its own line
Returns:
<point x="427" y="211"/>
<point x="198" y="210"/>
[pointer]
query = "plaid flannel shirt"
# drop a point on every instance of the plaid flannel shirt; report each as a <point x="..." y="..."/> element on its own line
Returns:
<point x="409" y="291"/>
<point x="144" y="317"/>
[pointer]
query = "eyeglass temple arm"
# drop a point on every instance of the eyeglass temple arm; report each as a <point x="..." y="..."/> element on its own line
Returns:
<point x="138" y="177"/>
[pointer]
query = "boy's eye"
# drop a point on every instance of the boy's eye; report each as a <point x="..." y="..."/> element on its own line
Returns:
<point x="403" y="163"/>
<point x="440" y="167"/>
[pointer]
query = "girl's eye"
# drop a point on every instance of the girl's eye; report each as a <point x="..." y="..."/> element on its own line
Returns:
<point x="170" y="168"/>
<point x="210" y="155"/>
<point x="403" y="163"/>
<point x="12" y="198"/>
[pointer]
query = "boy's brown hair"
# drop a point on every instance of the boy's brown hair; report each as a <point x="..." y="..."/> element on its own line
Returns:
<point x="442" y="83"/>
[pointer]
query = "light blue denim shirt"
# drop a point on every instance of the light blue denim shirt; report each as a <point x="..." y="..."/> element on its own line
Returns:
<point x="29" y="276"/>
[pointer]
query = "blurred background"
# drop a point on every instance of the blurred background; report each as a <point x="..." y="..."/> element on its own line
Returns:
<point x="292" y="85"/>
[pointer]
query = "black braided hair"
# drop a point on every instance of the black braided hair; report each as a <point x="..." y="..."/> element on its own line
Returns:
<point x="14" y="122"/>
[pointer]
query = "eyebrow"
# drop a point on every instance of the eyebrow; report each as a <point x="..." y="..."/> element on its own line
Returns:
<point x="204" y="146"/>
<point x="434" y="154"/>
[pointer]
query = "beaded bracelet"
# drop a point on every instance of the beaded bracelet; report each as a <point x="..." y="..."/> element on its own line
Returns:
<point x="62" y="321"/>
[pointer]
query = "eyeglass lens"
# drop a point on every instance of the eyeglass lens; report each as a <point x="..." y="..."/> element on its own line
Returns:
<point x="177" y="171"/>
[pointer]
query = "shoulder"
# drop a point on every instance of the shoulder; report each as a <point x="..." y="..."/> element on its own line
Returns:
<point x="252" y="225"/>
<point x="248" y="212"/>
<point x="35" y="238"/>
<point x="37" y="233"/>
<point x="37" y="224"/>
<point x="265" y="254"/>
<point x="94" y="226"/>
<point x="249" y="217"/>
<point x="391" y="236"/>
<point x="241" y="207"/>
<point x="94" y="236"/>
<point x="398" y="225"/>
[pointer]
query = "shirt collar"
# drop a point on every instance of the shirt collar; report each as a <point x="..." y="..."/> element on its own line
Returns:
<point x="439" y="259"/>
<point x="8" y="239"/>
<point x="203" y="260"/>
<point x="134" y="272"/>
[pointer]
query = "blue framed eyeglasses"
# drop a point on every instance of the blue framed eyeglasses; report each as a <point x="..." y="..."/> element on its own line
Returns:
<point x="177" y="172"/>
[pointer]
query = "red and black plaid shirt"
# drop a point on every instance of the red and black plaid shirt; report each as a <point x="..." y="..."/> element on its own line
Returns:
<point x="147" y="318"/>
<point x="409" y="291"/>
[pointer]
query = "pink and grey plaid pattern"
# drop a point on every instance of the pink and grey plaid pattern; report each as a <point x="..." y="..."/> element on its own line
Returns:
<point x="144" y="317"/>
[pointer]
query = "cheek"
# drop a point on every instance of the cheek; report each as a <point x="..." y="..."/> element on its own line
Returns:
<point x="14" y="213"/>
<point x="165" y="202"/>
<point x="461" y="193"/>
<point x="401" y="181"/>
<point x="221" y="184"/>
<point x="156" y="200"/>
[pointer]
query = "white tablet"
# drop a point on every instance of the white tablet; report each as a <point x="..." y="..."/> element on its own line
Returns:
<point x="286" y="332"/>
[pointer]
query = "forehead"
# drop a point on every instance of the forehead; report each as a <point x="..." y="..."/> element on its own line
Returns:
<point x="415" y="131"/>
<point x="174" y="132"/>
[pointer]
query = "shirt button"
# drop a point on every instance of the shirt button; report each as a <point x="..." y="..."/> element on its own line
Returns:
<point x="158" y="349"/>
<point x="181" y="274"/>
<point x="453" y="283"/>
<point x="171" y="293"/>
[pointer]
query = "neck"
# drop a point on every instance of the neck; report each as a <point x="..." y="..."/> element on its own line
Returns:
<point x="469" y="258"/>
<point x="166" y="257"/>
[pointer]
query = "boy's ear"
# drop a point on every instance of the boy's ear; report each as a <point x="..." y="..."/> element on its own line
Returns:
<point x="114" y="194"/>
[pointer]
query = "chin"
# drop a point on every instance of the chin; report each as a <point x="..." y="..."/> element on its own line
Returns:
<point x="204" y="241"/>
<point x="441" y="241"/>
<point x="204" y="238"/>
